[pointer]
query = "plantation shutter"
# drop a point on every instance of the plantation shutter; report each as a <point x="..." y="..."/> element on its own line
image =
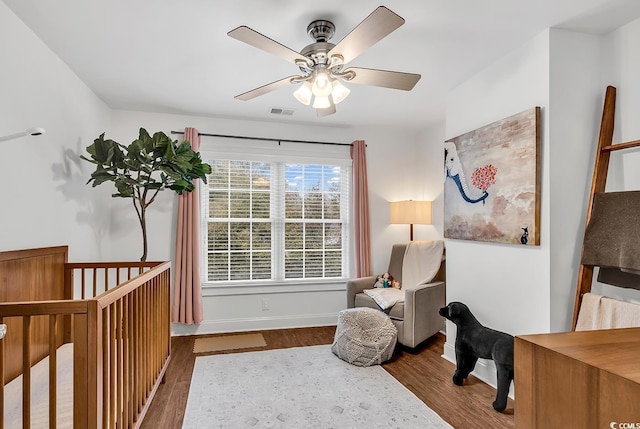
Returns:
<point x="239" y="225"/>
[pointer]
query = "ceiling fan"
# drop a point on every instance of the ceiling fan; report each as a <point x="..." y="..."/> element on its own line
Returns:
<point x="323" y="64"/>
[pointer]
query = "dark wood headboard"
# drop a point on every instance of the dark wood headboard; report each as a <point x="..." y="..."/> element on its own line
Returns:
<point x="30" y="275"/>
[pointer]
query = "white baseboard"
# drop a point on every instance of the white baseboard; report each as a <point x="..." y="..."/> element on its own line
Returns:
<point x="254" y="324"/>
<point x="485" y="369"/>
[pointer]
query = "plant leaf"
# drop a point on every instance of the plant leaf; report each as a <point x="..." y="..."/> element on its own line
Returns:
<point x="148" y="163"/>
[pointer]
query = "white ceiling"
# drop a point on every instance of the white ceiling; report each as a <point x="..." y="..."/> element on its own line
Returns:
<point x="174" y="56"/>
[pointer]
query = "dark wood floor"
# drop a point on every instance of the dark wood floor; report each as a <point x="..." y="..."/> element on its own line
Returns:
<point x="423" y="371"/>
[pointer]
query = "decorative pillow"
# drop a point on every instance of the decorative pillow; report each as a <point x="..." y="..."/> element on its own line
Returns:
<point x="385" y="297"/>
<point x="386" y="280"/>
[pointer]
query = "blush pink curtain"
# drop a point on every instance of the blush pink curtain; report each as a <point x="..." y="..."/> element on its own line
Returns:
<point x="361" y="209"/>
<point x="187" y="289"/>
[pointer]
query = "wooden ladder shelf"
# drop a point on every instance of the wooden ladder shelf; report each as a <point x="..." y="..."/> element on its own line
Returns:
<point x="598" y="184"/>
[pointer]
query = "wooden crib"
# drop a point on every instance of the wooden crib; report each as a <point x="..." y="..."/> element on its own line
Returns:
<point x="116" y="317"/>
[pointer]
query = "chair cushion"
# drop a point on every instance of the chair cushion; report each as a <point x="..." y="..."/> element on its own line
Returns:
<point x="396" y="312"/>
<point x="364" y="337"/>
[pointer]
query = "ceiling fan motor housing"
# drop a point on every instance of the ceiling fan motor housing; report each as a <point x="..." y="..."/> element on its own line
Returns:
<point x="317" y="52"/>
<point x="321" y="30"/>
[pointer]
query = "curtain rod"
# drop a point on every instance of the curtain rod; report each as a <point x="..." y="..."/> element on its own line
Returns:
<point x="266" y="139"/>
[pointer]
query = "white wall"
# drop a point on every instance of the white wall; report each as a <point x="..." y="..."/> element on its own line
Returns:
<point x="505" y="286"/>
<point x="432" y="168"/>
<point x="45" y="201"/>
<point x="575" y="105"/>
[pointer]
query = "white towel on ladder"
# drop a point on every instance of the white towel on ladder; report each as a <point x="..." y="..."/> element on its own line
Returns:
<point x="601" y="312"/>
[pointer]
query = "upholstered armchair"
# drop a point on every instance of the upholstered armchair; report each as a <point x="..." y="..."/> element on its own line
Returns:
<point x="416" y="315"/>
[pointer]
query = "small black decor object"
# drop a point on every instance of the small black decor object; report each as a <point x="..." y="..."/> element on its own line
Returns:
<point x="473" y="341"/>
<point x="525" y="235"/>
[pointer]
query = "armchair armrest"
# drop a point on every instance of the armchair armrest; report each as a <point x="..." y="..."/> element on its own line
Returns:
<point x="356" y="286"/>
<point x="421" y="317"/>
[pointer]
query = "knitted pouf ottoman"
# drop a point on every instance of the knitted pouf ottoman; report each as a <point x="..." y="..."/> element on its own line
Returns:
<point x="364" y="336"/>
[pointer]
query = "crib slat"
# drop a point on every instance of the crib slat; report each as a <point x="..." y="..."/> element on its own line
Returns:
<point x="154" y="345"/>
<point x="81" y="343"/>
<point x="147" y="342"/>
<point x="156" y="325"/>
<point x="53" y="372"/>
<point x="2" y="357"/>
<point x="94" y="365"/>
<point x="83" y="280"/>
<point x="140" y="345"/>
<point x="112" y="368"/>
<point x="94" y="273"/>
<point x="26" y="372"/>
<point x="119" y="362"/>
<point x="105" y="366"/>
<point x="126" y="352"/>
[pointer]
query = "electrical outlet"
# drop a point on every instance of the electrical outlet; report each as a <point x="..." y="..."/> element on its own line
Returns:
<point x="265" y="304"/>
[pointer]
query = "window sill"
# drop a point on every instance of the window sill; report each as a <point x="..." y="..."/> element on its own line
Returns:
<point x="257" y="288"/>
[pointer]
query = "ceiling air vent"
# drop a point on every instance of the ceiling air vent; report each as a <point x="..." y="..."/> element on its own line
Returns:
<point x="281" y="111"/>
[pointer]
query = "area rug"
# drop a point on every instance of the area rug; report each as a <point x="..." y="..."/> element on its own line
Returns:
<point x="302" y="387"/>
<point x="228" y="342"/>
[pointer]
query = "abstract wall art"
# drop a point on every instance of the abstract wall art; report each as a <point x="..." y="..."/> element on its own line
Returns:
<point x="492" y="182"/>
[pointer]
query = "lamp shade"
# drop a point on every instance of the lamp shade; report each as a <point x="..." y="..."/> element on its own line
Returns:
<point x="411" y="212"/>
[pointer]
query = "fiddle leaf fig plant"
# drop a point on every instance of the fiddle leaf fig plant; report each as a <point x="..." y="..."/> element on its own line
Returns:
<point x="150" y="164"/>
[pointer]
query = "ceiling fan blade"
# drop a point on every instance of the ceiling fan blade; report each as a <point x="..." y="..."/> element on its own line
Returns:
<point x="326" y="112"/>
<point x="374" y="28"/>
<point x="265" y="89"/>
<point x="384" y="78"/>
<point x="260" y="41"/>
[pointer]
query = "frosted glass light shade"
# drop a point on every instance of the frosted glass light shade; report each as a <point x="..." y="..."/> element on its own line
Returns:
<point x="321" y="103"/>
<point x="411" y="212"/>
<point x="321" y="85"/>
<point x="304" y="94"/>
<point x="339" y="92"/>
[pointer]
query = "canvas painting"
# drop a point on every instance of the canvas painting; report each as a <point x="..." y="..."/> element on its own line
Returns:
<point x="492" y="182"/>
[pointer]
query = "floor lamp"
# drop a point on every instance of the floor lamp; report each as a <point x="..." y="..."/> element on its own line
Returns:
<point x="411" y="212"/>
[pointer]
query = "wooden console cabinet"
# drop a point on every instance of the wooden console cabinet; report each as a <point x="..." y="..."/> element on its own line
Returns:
<point x="585" y="379"/>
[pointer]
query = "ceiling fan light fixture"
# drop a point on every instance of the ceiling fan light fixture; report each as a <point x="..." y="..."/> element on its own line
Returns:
<point x="321" y="102"/>
<point x="322" y="62"/>
<point x="339" y="92"/>
<point x="321" y="86"/>
<point x="304" y="94"/>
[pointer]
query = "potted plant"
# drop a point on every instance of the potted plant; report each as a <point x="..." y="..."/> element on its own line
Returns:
<point x="150" y="164"/>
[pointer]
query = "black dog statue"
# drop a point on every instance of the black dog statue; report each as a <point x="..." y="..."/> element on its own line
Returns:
<point x="473" y="341"/>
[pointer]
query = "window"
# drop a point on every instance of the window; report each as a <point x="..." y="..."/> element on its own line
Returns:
<point x="276" y="221"/>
